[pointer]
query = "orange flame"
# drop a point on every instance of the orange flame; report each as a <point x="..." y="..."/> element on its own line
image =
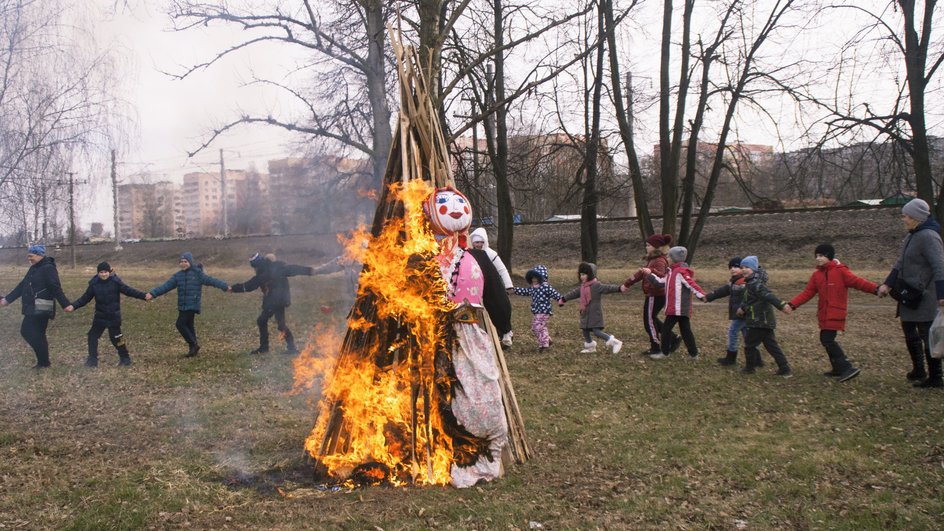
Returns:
<point x="384" y="381"/>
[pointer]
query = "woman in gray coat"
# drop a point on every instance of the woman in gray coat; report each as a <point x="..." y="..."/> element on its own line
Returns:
<point x="920" y="267"/>
<point x="590" y="293"/>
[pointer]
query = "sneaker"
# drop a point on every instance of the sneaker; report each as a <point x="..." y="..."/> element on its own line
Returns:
<point x="832" y="374"/>
<point x="650" y="351"/>
<point x="124" y="362"/>
<point x="91" y="362"/>
<point x="614" y="344"/>
<point x="260" y="350"/>
<point x="659" y="356"/>
<point x="506" y="340"/>
<point x="930" y="382"/>
<point x="692" y="357"/>
<point x="291" y="351"/>
<point x="784" y="372"/>
<point x="849" y="374"/>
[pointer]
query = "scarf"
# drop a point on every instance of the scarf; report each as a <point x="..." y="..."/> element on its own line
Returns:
<point x="585" y="294"/>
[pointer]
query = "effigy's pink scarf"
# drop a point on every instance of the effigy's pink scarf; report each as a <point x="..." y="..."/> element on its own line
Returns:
<point x="585" y="294"/>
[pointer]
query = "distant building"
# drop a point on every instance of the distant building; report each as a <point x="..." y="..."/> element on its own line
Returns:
<point x="247" y="210"/>
<point x="149" y="210"/>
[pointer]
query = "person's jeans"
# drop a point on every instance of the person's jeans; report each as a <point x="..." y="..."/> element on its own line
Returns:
<point x="736" y="330"/>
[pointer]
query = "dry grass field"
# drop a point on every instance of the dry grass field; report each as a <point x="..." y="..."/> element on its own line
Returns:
<point x="620" y="441"/>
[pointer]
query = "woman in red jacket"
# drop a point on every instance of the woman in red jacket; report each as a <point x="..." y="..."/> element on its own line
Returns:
<point x="657" y="246"/>
<point x="831" y="281"/>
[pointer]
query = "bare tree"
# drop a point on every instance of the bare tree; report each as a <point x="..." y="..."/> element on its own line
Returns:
<point x="58" y="104"/>
<point x="343" y="87"/>
<point x="901" y="32"/>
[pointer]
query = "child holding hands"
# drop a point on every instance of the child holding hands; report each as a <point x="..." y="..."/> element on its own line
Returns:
<point x="542" y="293"/>
<point x="679" y="285"/>
<point x="590" y="292"/>
<point x="831" y="282"/>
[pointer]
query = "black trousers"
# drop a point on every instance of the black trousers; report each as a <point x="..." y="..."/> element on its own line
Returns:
<point x="651" y="306"/>
<point x="263" y="323"/>
<point x="837" y="358"/>
<point x="685" y="328"/>
<point x="114" y="334"/>
<point x="757" y="336"/>
<point x="186" y="326"/>
<point x="33" y="330"/>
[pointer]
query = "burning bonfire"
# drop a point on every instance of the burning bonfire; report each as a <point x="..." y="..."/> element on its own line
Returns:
<point x="419" y="392"/>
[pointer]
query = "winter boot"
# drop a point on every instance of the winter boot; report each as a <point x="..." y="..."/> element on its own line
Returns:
<point x="124" y="361"/>
<point x="614" y="344"/>
<point x="589" y="348"/>
<point x="916" y="352"/>
<point x="934" y="375"/>
<point x="91" y="361"/>
<point x="260" y="350"/>
<point x="729" y="359"/>
<point x="194" y="350"/>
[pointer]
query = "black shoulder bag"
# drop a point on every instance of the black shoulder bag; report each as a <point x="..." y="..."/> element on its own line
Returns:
<point x="906" y="294"/>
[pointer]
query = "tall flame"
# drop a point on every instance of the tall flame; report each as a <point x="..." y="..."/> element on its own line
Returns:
<point x="383" y="388"/>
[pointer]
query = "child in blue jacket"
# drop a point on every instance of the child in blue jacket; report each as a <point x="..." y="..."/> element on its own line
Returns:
<point x="542" y="293"/>
<point x="188" y="282"/>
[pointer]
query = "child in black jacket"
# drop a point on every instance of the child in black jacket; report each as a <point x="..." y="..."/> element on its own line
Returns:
<point x="106" y="288"/>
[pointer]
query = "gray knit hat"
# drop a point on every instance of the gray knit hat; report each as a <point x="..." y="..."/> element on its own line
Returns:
<point x="678" y="254"/>
<point x="916" y="209"/>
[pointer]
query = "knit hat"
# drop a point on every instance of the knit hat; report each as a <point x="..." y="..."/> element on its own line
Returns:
<point x="916" y="209"/>
<point x="734" y="262"/>
<point x="256" y="260"/>
<point x="678" y="254"/>
<point x="588" y="269"/>
<point x="103" y="267"/>
<point x="750" y="262"/>
<point x="37" y="249"/>
<point x="188" y="256"/>
<point x="826" y="250"/>
<point x="659" y="240"/>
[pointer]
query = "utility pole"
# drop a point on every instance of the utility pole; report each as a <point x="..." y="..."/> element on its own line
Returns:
<point x="114" y="199"/>
<point x="71" y="175"/>
<point x="223" y="193"/>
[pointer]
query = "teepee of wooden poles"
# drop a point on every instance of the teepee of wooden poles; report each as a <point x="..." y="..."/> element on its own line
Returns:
<point x="418" y="151"/>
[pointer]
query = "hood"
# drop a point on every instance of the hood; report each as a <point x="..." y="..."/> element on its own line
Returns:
<point x="539" y="271"/>
<point x="928" y="224"/>
<point x="832" y="264"/>
<point x="478" y="234"/>
<point x="46" y="260"/>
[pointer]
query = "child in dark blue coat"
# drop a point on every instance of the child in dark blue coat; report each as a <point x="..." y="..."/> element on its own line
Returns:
<point x="542" y="293"/>
<point x="188" y="282"/>
<point x="106" y="288"/>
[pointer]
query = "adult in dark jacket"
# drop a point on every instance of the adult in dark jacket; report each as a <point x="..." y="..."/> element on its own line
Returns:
<point x="920" y="265"/>
<point x="351" y="270"/>
<point x="188" y="282"/>
<point x="40" y="283"/>
<point x="106" y="288"/>
<point x="272" y="277"/>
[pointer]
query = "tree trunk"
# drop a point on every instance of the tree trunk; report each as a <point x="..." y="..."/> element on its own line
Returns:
<point x="669" y="201"/>
<point x="506" y="222"/>
<point x="623" y="119"/>
<point x="376" y="88"/>
<point x="589" y="239"/>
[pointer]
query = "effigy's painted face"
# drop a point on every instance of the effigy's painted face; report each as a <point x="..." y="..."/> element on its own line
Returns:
<point x="451" y="211"/>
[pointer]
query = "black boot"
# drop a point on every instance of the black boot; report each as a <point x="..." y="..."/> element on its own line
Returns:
<point x="752" y="361"/>
<point x="91" y="361"/>
<point x="916" y="352"/>
<point x="124" y="361"/>
<point x="934" y="374"/>
<point x="729" y="359"/>
<point x="194" y="350"/>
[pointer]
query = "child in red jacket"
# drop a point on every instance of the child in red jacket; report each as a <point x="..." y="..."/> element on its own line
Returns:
<point x="831" y="281"/>
<point x="657" y="247"/>
<point x="680" y="285"/>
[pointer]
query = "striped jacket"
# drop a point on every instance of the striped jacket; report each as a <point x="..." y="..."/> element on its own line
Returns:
<point x="679" y="285"/>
